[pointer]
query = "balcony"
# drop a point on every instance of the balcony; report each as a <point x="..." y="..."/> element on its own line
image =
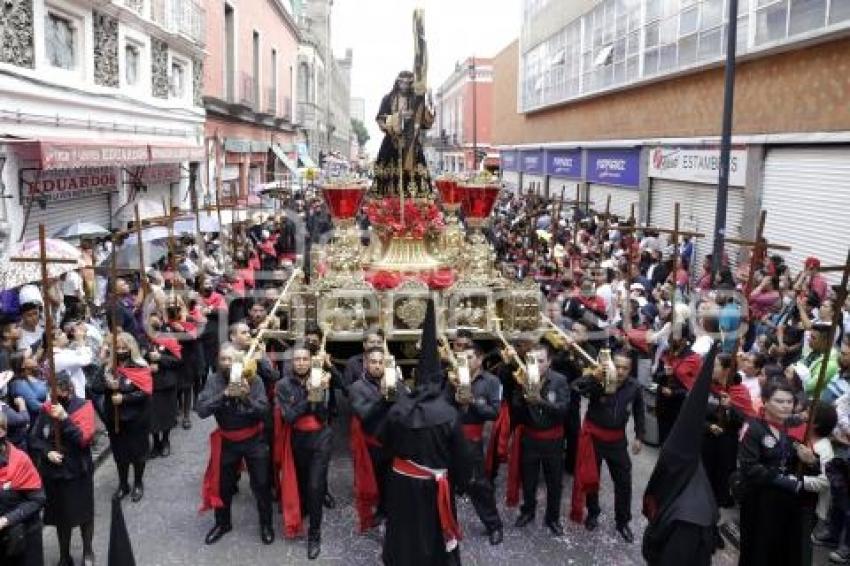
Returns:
<point x="247" y="91"/>
<point x="180" y="17"/>
<point x="137" y="6"/>
<point x="271" y="101"/>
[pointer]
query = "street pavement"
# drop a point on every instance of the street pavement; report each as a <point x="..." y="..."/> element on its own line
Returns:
<point x="166" y="529"/>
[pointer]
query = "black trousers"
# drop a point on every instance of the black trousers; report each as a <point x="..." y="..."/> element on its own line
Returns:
<point x="255" y="453"/>
<point x="480" y="490"/>
<point x="720" y="458"/>
<point x="546" y="454"/>
<point x="381" y="466"/>
<point x="616" y="456"/>
<point x="572" y="427"/>
<point x="312" y="454"/>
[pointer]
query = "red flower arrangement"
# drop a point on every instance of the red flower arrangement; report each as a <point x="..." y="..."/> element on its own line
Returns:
<point x="419" y="218"/>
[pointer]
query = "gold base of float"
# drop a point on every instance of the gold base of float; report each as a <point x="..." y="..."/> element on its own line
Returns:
<point x="403" y="254"/>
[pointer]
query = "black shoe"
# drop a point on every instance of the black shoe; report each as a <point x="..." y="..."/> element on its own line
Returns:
<point x="496" y="536"/>
<point x="314" y="547"/>
<point x="216" y="533"/>
<point x="187" y="423"/>
<point x="267" y="534"/>
<point x="154" y="453"/>
<point x="523" y="520"/>
<point x="165" y="452"/>
<point x="591" y="522"/>
<point x="626" y="532"/>
<point x="122" y="492"/>
<point x="822" y="538"/>
<point x="138" y="493"/>
<point x="329" y="502"/>
<point x="556" y="528"/>
<point x="67" y="562"/>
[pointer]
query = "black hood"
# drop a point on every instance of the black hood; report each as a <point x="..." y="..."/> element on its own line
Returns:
<point x="426" y="405"/>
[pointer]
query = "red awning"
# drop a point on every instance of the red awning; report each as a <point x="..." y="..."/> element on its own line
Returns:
<point x="70" y="154"/>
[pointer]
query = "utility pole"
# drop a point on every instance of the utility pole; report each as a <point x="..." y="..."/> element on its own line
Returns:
<point x="472" y="75"/>
<point x="725" y="142"/>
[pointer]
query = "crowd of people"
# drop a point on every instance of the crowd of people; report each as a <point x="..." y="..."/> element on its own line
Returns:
<point x="138" y="362"/>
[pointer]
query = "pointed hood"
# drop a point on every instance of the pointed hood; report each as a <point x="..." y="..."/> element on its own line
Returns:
<point x="681" y="453"/>
<point x="120" y="548"/>
<point x="426" y="405"/>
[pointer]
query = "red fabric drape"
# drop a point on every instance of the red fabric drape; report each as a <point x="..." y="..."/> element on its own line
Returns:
<point x="500" y="436"/>
<point x="685" y="369"/>
<point x="83" y="418"/>
<point x="171" y="345"/>
<point x="366" y="494"/>
<point x="587" y="472"/>
<point x="210" y="494"/>
<point x="473" y="432"/>
<point x="740" y="398"/>
<point x="140" y="377"/>
<point x="19" y="473"/>
<point x="448" y="522"/>
<point x="515" y="457"/>
<point x="290" y="501"/>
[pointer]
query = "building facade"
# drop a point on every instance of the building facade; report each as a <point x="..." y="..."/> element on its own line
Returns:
<point x="464" y="105"/>
<point x="102" y="108"/>
<point x="624" y="99"/>
<point x="249" y="89"/>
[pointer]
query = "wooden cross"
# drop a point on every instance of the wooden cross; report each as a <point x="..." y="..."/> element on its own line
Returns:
<point x="43" y="261"/>
<point x="837" y="319"/>
<point x="113" y="285"/>
<point x="759" y="246"/>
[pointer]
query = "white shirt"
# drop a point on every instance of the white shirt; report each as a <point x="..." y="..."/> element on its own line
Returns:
<point x="72" y="286"/>
<point x="820" y="483"/>
<point x="702" y="345"/>
<point x="73" y="361"/>
<point x="753" y="386"/>
<point x="28" y="338"/>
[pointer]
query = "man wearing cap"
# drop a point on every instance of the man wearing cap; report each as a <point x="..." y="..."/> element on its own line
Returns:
<point x="812" y="279"/>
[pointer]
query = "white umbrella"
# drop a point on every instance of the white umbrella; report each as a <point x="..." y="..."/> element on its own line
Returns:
<point x="81" y="229"/>
<point x="188" y="226"/>
<point x="17" y="273"/>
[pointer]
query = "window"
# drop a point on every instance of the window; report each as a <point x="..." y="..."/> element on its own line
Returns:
<point x="771" y="20"/>
<point x="229" y="53"/>
<point x="132" y="61"/>
<point x="178" y="79"/>
<point x="62" y="37"/>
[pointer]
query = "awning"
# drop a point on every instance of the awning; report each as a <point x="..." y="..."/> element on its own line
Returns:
<point x="51" y="154"/>
<point x="281" y="154"/>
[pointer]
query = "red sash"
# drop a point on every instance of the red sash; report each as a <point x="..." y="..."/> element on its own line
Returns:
<point x="170" y="344"/>
<point x="740" y="398"/>
<point x="500" y="436"/>
<point x="448" y="522"/>
<point x="515" y="456"/>
<point x="685" y="369"/>
<point x="366" y="493"/>
<point x="587" y="472"/>
<point x="474" y="432"/>
<point x="19" y="473"/>
<point x="215" y="301"/>
<point x="290" y="501"/>
<point x="210" y="494"/>
<point x="140" y="377"/>
<point x="83" y="418"/>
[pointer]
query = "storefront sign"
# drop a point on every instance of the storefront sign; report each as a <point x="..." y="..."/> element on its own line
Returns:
<point x="55" y="156"/>
<point x="508" y="160"/>
<point x="614" y="167"/>
<point x="563" y="163"/>
<point x="67" y="184"/>
<point x="532" y="162"/>
<point x="160" y="174"/>
<point x="697" y="165"/>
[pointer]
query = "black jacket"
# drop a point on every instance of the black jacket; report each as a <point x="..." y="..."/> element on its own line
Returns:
<point x="232" y="413"/>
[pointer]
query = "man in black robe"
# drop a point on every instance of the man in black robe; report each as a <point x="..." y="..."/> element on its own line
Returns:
<point x="678" y="500"/>
<point x="355" y="367"/>
<point x="425" y="439"/>
<point x="402" y="116"/>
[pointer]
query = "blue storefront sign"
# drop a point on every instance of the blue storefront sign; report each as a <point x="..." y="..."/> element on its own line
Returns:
<point x="614" y="167"/>
<point x="532" y="162"/>
<point x="508" y="160"/>
<point x="563" y="163"/>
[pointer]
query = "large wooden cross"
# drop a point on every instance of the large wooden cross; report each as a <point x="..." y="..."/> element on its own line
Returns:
<point x="43" y="261"/>
<point x="759" y="246"/>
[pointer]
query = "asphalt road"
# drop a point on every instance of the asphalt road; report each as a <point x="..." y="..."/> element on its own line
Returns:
<point x="166" y="529"/>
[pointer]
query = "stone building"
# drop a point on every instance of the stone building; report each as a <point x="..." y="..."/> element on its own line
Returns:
<point x="102" y="108"/>
<point x="625" y="99"/>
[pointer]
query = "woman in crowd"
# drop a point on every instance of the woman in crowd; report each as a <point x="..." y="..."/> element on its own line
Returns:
<point x="777" y="510"/>
<point x="127" y="391"/>
<point x="21" y="500"/>
<point x="60" y="442"/>
<point x="28" y="384"/>
<point x="165" y="358"/>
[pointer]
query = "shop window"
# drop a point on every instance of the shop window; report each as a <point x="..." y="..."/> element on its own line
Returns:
<point x="62" y="38"/>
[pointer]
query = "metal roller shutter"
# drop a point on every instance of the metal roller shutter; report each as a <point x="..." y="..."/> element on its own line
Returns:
<point x="529" y="180"/>
<point x="697" y="205"/>
<point x="57" y="215"/>
<point x="511" y="180"/>
<point x="621" y="199"/>
<point x="807" y="197"/>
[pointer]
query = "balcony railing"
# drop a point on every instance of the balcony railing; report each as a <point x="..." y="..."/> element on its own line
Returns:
<point x="182" y="17"/>
<point x="137" y="6"/>
<point x="271" y="101"/>
<point x="247" y="91"/>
